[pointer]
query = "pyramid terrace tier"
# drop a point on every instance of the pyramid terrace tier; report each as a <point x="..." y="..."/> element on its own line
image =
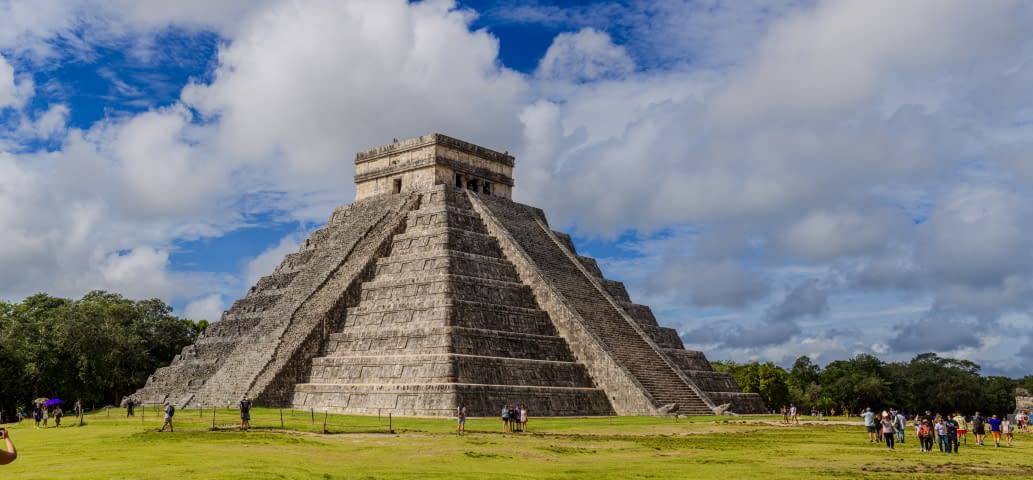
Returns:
<point x="459" y="287"/>
<point x="442" y="399"/>
<point x="447" y="368"/>
<point x="438" y="340"/>
<point x="401" y="266"/>
<point x="437" y="239"/>
<point x="449" y="311"/>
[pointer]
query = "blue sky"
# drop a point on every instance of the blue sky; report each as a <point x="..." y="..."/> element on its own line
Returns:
<point x="775" y="179"/>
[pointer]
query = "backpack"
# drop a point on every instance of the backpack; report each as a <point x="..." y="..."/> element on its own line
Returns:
<point x="924" y="431"/>
<point x="171" y="410"/>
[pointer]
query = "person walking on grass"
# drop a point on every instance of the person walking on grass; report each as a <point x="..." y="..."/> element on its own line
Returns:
<point x="887" y="430"/>
<point x="169" y="412"/>
<point x="962" y="428"/>
<point x="951" y="426"/>
<point x="461" y="415"/>
<point x="245" y="413"/>
<point x="978" y="429"/>
<point x="37" y="414"/>
<point x="10" y="453"/>
<point x="1006" y="429"/>
<point x="505" y="419"/>
<point x="900" y="424"/>
<point x="995" y="429"/>
<point x="869" y="424"/>
<point x="941" y="434"/>
<point x="925" y="436"/>
<point x="58" y="413"/>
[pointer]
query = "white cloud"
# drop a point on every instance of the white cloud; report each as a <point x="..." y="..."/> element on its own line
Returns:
<point x="584" y="56"/>
<point x="209" y="308"/>
<point x="265" y="262"/>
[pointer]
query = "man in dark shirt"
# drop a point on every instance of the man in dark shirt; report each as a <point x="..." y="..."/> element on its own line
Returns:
<point x="952" y="434"/>
<point x="978" y="429"/>
<point x="245" y="413"/>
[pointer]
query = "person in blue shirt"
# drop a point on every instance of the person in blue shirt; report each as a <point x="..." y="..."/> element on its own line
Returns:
<point x="995" y="428"/>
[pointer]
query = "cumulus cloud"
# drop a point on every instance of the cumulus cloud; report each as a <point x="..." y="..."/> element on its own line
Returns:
<point x="584" y="56"/>
<point x="209" y="308"/>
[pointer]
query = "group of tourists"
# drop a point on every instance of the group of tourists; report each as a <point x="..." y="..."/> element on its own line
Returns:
<point x="946" y="431"/>
<point x="791" y="415"/>
<point x="514" y="418"/>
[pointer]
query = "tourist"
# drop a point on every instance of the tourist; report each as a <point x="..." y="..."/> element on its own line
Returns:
<point x="78" y="408"/>
<point x="918" y="429"/>
<point x="523" y="418"/>
<point x="941" y="433"/>
<point x="785" y="415"/>
<point x="129" y="408"/>
<point x="46" y="416"/>
<point x="978" y="430"/>
<point x="461" y="415"/>
<point x="887" y="429"/>
<point x="794" y="414"/>
<point x="900" y="425"/>
<point x="514" y="418"/>
<point x="869" y="424"/>
<point x="832" y="412"/>
<point x="58" y="413"/>
<point x="37" y="414"/>
<point x="995" y="429"/>
<point x="169" y="412"/>
<point x="245" y="413"/>
<point x="505" y="419"/>
<point x="1025" y="425"/>
<point x="1006" y="429"/>
<point x="7" y="456"/>
<point x="925" y="436"/>
<point x="951" y="426"/>
<point x="962" y="428"/>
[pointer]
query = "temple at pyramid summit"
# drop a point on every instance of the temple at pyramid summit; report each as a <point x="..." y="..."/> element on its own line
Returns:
<point x="434" y="289"/>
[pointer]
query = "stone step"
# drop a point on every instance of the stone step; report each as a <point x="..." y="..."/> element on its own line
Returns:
<point x="640" y="313"/>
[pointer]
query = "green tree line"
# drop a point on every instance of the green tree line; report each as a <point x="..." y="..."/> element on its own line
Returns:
<point x="95" y="349"/>
<point x="926" y="382"/>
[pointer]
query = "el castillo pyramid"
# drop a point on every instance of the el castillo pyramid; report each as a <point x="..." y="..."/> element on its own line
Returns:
<point x="434" y="289"/>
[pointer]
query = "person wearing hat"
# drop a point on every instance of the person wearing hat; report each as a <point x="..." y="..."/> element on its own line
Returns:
<point x="169" y="412"/>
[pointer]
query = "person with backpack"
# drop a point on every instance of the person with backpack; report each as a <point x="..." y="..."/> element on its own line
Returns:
<point x="169" y="412"/>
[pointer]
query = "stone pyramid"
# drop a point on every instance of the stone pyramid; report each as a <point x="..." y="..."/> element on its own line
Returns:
<point x="434" y="289"/>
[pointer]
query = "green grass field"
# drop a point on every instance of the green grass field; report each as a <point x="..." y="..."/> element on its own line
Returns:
<point x="597" y="448"/>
